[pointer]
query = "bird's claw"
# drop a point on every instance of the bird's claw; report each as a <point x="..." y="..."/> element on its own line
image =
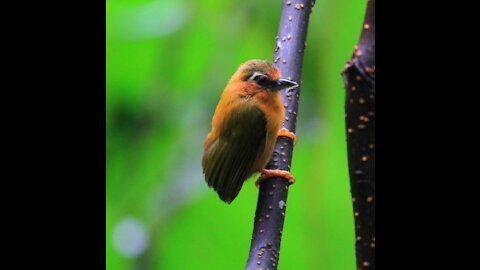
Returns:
<point x="287" y="133"/>
<point x="271" y="173"/>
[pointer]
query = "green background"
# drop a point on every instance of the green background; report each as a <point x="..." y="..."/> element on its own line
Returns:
<point x="167" y="64"/>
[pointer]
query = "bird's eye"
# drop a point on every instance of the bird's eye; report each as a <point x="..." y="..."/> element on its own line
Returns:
<point x="261" y="79"/>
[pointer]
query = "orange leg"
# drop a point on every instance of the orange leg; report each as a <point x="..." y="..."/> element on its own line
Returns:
<point x="271" y="173"/>
<point x="287" y="133"/>
<point x="279" y="173"/>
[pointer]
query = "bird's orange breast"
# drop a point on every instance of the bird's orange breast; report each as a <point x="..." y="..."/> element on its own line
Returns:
<point x="271" y="104"/>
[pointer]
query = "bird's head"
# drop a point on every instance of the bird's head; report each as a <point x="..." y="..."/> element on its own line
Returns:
<point x="262" y="75"/>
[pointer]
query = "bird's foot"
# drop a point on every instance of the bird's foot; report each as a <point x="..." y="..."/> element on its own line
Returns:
<point x="287" y="133"/>
<point x="271" y="173"/>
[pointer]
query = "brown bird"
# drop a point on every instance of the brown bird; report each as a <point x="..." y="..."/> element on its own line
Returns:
<point x="245" y="126"/>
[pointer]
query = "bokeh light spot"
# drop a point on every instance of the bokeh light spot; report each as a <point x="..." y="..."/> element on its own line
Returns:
<point x="130" y="237"/>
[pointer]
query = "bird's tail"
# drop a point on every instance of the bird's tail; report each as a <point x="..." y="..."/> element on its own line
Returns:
<point x="223" y="171"/>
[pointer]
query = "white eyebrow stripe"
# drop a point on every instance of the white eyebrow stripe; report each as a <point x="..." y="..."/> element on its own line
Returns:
<point x="255" y="74"/>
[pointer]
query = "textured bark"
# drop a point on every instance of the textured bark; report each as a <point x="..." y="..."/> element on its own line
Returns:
<point x="271" y="205"/>
<point x="359" y="77"/>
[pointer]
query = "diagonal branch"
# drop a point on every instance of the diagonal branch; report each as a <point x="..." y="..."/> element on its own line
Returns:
<point x="359" y="78"/>
<point x="272" y="199"/>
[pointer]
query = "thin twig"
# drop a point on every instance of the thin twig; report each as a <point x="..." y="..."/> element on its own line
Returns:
<point x="359" y="78"/>
<point x="272" y="199"/>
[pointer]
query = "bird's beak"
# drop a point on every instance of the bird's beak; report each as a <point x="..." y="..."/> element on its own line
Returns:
<point x="283" y="84"/>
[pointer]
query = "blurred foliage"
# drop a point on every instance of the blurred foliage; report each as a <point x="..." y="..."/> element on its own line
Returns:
<point x="167" y="63"/>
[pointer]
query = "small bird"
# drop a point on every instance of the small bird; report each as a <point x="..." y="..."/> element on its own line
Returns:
<point x="245" y="126"/>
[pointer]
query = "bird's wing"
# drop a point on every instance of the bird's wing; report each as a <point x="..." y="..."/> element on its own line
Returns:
<point x="229" y="160"/>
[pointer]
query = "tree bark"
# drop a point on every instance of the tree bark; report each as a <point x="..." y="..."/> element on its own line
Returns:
<point x="272" y="199"/>
<point x="359" y="78"/>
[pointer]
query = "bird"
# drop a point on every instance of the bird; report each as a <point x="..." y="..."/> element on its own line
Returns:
<point x="245" y="126"/>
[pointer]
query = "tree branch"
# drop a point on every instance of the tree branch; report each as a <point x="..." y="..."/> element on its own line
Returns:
<point x="272" y="199"/>
<point x="359" y="78"/>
